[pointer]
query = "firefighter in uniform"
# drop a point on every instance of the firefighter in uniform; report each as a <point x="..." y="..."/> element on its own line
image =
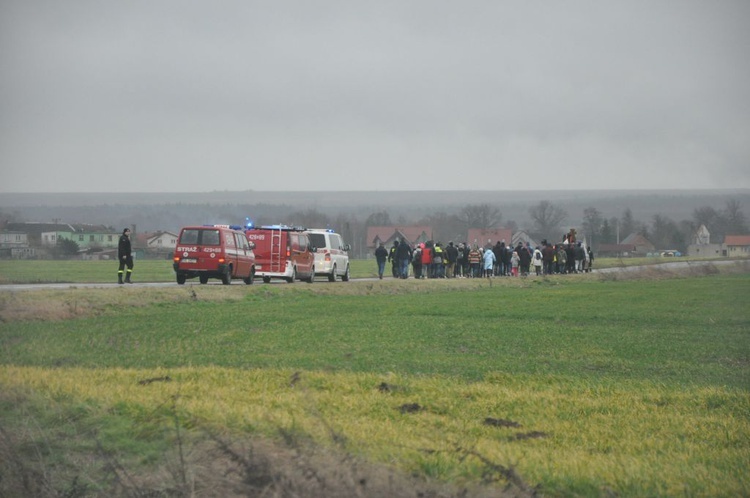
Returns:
<point x="125" y="256"/>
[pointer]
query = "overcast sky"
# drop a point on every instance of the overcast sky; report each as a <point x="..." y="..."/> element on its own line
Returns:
<point x="195" y="96"/>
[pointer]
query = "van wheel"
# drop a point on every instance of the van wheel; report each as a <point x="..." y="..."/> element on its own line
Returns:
<point x="293" y="277"/>
<point x="251" y="277"/>
<point x="203" y="279"/>
<point x="226" y="278"/>
<point x="332" y="275"/>
<point x="345" y="276"/>
<point x="181" y="279"/>
<point x="312" y="276"/>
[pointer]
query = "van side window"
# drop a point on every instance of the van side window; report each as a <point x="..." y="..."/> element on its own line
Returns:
<point x="241" y="241"/>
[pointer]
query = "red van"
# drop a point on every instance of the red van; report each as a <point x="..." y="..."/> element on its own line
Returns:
<point x="214" y="251"/>
<point x="282" y="252"/>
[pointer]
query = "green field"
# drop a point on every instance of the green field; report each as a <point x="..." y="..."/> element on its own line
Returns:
<point x="583" y="385"/>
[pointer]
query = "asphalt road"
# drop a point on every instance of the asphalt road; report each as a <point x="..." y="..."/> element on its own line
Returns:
<point x="672" y="265"/>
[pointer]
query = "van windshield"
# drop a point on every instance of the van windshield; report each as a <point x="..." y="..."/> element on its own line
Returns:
<point x="317" y="240"/>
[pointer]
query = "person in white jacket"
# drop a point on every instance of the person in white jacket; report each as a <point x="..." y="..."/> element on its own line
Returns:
<point x="536" y="260"/>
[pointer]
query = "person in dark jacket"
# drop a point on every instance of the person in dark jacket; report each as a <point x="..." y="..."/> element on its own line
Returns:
<point x="548" y="258"/>
<point x="525" y="259"/>
<point x="570" y="254"/>
<point x="451" y="258"/>
<point x="393" y="258"/>
<point x="403" y="255"/>
<point x="507" y="257"/>
<point x="381" y="256"/>
<point x="125" y="257"/>
<point x="498" y="250"/>
<point x="416" y="260"/>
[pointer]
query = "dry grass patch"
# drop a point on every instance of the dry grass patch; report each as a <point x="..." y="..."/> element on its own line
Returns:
<point x="561" y="433"/>
<point x="66" y="304"/>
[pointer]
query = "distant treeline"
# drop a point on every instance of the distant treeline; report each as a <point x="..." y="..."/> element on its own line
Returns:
<point x="450" y="213"/>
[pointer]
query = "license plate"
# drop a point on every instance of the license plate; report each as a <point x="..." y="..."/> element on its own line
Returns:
<point x="258" y="267"/>
<point x="189" y="260"/>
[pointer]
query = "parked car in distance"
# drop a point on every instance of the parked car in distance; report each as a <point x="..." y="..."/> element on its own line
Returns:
<point x="331" y="254"/>
<point x="214" y="251"/>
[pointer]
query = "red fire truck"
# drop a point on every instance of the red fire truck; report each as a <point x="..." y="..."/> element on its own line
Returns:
<point x="282" y="252"/>
<point x="214" y="251"/>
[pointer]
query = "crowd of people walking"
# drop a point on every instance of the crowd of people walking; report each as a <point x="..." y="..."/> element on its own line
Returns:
<point x="432" y="260"/>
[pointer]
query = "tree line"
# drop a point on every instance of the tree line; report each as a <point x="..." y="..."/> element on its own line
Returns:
<point x="545" y="220"/>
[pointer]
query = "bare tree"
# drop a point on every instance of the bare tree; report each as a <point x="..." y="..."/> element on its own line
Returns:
<point x="482" y="216"/>
<point x="708" y="216"/>
<point x="547" y="218"/>
<point x="592" y="224"/>
<point x="627" y="224"/>
<point x="445" y="227"/>
<point x="379" y="219"/>
<point x="734" y="218"/>
<point x="730" y="220"/>
<point x="666" y="234"/>
<point x="310" y="218"/>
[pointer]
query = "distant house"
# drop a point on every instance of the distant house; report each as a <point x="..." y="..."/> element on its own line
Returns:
<point x="706" y="250"/>
<point x="489" y="237"/>
<point x="162" y="240"/>
<point x="634" y="245"/>
<point x="737" y="245"/>
<point x="641" y="245"/>
<point x="86" y="236"/>
<point x="413" y="235"/>
<point x="34" y="230"/>
<point x="15" y="245"/>
<point x="153" y="244"/>
<point x="701" y="244"/>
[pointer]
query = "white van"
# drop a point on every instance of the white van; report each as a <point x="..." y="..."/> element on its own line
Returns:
<point x="331" y="258"/>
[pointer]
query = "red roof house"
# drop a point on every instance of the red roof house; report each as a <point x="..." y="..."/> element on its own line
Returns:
<point x="737" y="245"/>
<point x="489" y="237"/>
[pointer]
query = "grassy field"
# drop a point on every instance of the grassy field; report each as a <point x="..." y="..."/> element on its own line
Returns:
<point x="582" y="385"/>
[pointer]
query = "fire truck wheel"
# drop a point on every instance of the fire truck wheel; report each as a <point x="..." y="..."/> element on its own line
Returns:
<point x="181" y="279"/>
<point x="332" y="275"/>
<point x="203" y="279"/>
<point x="293" y="277"/>
<point x="345" y="276"/>
<point x="226" y="278"/>
<point x="266" y="280"/>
